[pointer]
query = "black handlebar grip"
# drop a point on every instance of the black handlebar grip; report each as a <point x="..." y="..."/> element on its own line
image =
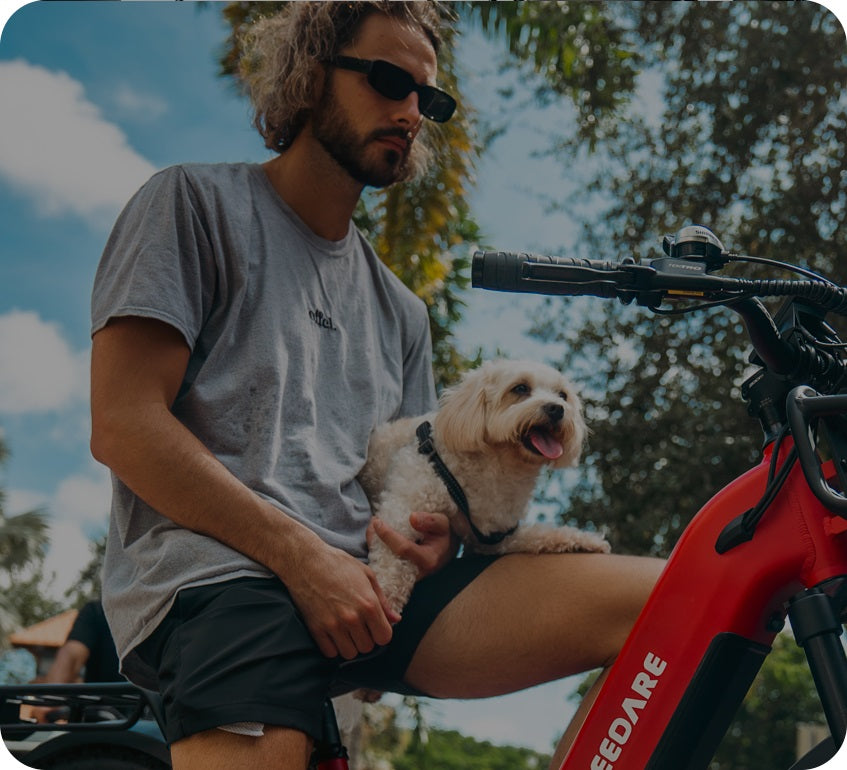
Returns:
<point x="537" y="274"/>
<point x="498" y="270"/>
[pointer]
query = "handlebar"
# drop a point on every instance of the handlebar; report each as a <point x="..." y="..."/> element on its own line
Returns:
<point x="648" y="283"/>
<point x="672" y="279"/>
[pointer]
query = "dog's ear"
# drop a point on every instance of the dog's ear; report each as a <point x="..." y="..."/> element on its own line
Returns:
<point x="460" y="421"/>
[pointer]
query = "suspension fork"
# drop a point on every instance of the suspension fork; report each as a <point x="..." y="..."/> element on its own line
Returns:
<point x="815" y="618"/>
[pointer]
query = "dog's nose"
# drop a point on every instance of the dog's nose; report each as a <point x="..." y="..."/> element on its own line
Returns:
<point x="554" y="412"/>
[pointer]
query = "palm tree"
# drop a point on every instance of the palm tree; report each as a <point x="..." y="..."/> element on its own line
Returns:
<point x="23" y="541"/>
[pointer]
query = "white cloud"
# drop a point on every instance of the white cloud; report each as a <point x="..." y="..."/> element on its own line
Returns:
<point x="58" y="149"/>
<point x="20" y="500"/>
<point x="38" y="369"/>
<point x="78" y="512"/>
<point x="69" y="554"/>
<point x="84" y="499"/>
<point x="138" y="105"/>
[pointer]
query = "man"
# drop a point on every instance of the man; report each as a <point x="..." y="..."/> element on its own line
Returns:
<point x="246" y="342"/>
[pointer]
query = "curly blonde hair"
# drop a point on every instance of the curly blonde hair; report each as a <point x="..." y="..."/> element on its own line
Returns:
<point x="281" y="53"/>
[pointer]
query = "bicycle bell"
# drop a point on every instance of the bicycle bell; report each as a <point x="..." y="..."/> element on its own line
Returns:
<point x="696" y="242"/>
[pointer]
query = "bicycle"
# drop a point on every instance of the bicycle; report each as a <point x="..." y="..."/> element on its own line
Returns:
<point x="93" y="726"/>
<point x="772" y="544"/>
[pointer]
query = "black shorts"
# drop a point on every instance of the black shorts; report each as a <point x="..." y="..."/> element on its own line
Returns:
<point x="239" y="651"/>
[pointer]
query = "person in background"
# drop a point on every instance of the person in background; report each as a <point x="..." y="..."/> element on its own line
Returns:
<point x="88" y="654"/>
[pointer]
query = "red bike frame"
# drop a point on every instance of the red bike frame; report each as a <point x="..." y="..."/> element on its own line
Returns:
<point x="708" y="625"/>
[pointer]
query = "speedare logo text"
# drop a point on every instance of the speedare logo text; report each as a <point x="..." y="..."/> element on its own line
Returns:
<point x="620" y="730"/>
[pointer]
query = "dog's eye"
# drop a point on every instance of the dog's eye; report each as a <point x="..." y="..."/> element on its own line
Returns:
<point x="521" y="389"/>
<point x="563" y="395"/>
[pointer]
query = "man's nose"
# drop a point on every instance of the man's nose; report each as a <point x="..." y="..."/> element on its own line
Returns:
<point x="407" y="111"/>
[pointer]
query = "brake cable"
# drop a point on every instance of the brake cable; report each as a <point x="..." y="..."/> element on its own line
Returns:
<point x="742" y="528"/>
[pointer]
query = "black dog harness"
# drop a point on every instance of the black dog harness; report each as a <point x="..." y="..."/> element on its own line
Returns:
<point x="426" y="447"/>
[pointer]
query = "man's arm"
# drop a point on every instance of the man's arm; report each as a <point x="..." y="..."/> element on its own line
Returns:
<point x="68" y="663"/>
<point x="137" y="368"/>
<point x="64" y="669"/>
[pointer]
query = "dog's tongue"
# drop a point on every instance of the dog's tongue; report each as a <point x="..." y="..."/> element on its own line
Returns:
<point x="546" y="444"/>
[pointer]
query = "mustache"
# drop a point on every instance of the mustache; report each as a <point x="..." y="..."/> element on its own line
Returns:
<point x="400" y="133"/>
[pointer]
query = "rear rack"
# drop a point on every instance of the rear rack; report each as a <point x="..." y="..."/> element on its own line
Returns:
<point x="90" y="706"/>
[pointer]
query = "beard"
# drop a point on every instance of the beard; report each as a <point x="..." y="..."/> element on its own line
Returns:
<point x="366" y="161"/>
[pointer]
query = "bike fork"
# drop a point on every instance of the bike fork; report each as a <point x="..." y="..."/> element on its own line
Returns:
<point x="815" y="618"/>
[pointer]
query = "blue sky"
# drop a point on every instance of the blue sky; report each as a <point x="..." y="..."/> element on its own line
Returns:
<point x="97" y="96"/>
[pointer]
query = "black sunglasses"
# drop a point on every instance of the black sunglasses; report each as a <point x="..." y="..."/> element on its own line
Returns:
<point x="395" y="83"/>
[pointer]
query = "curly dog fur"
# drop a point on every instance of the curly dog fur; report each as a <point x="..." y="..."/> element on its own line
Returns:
<point x="494" y="431"/>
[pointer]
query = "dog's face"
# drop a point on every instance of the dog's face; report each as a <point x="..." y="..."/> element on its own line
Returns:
<point x="526" y="408"/>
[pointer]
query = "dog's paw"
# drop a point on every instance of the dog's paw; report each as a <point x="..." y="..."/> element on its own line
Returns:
<point x="591" y="542"/>
<point x="542" y="538"/>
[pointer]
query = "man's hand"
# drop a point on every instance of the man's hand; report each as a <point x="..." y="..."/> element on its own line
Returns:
<point x="430" y="551"/>
<point x="340" y="600"/>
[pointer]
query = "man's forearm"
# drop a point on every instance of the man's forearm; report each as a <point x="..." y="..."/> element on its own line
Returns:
<point x="163" y="463"/>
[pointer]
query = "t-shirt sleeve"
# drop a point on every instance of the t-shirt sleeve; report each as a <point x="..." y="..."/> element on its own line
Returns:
<point x="158" y="262"/>
<point x="89" y="626"/>
<point x="418" y="382"/>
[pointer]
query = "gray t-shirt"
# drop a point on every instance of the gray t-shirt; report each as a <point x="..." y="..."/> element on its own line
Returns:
<point x="299" y="348"/>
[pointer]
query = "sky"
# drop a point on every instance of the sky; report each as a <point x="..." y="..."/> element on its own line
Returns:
<point x="97" y="96"/>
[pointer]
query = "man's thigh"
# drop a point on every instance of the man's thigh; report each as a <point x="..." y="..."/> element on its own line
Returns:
<point x="279" y="748"/>
<point x="529" y="619"/>
<point x="238" y="652"/>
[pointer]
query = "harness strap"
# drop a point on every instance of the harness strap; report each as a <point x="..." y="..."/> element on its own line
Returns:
<point x="454" y="488"/>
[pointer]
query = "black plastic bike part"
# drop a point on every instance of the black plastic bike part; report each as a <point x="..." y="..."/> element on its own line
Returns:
<point x="127" y="701"/>
<point x="647" y="283"/>
<point x="805" y="329"/>
<point x="330" y="746"/>
<point x="765" y="396"/>
<point x="805" y="406"/>
<point x="698" y="242"/>
<point x="141" y="749"/>
<point x="819" y="755"/>
<point x="776" y="354"/>
<point x="126" y="705"/>
<point x="787" y="345"/>
<point x="709" y="704"/>
<point x="537" y="274"/>
<point x="817" y="629"/>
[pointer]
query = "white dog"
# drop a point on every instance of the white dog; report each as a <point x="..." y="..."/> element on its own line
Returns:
<point x="477" y="459"/>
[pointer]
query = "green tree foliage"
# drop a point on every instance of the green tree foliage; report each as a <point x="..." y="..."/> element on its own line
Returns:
<point x="578" y="50"/>
<point x="23" y="543"/>
<point x="388" y="743"/>
<point x="450" y="750"/>
<point x="422" y="230"/>
<point x="88" y="583"/>
<point x="747" y="137"/>
<point x="782" y="694"/>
